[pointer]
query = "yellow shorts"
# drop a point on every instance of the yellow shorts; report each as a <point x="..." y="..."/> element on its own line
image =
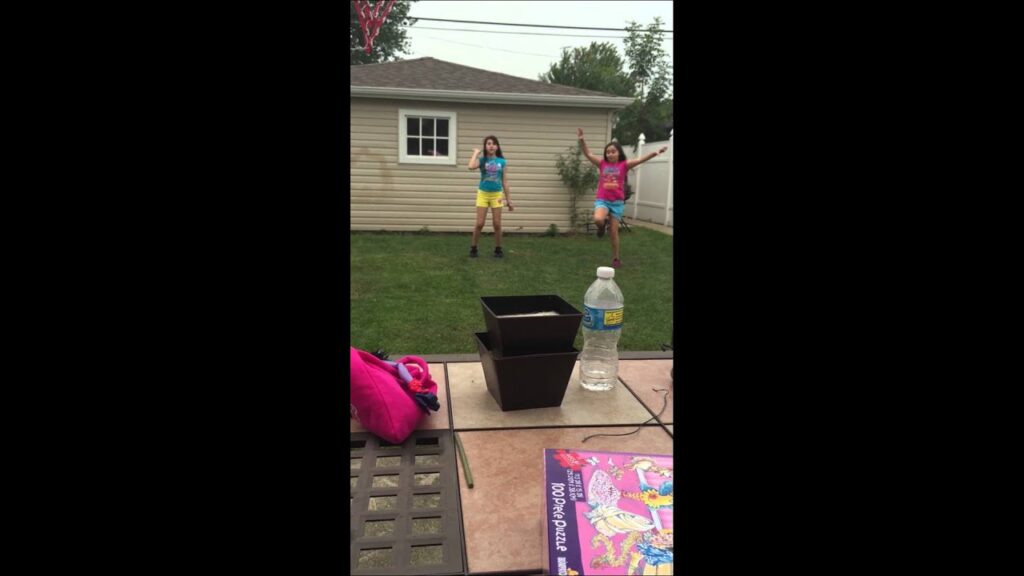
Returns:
<point x="490" y="199"/>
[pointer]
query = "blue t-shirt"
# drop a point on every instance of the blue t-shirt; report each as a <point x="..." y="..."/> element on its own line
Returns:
<point x="491" y="171"/>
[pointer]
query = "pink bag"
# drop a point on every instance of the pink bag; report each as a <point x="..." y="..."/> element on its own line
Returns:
<point x="389" y="398"/>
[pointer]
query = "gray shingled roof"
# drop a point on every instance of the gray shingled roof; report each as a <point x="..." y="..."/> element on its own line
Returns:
<point x="434" y="74"/>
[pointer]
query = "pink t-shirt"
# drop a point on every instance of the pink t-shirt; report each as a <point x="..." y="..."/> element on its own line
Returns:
<point x="611" y="181"/>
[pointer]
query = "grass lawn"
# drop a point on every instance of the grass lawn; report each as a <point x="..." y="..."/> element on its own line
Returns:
<point x="419" y="293"/>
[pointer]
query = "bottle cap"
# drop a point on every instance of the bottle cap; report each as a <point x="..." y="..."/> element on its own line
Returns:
<point x="605" y="272"/>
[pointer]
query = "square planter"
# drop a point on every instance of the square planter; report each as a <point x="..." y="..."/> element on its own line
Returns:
<point x="512" y="334"/>
<point x="527" y="381"/>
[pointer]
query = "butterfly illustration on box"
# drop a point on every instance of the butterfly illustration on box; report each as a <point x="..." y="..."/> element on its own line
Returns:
<point x="609" y="520"/>
<point x="644" y="537"/>
<point x="614" y="470"/>
<point x="648" y="465"/>
<point x="654" y="498"/>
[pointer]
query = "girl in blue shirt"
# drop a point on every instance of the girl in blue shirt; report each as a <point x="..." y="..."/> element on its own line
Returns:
<point x="491" y="193"/>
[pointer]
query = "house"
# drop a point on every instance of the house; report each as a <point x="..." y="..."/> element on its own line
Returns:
<point x="415" y="123"/>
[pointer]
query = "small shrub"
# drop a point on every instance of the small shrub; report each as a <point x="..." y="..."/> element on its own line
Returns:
<point x="579" y="177"/>
<point x="424" y="230"/>
<point x="552" y="230"/>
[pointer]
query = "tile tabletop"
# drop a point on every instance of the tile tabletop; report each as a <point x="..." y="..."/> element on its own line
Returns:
<point x="474" y="407"/>
<point x="644" y="377"/>
<point x="503" y="513"/>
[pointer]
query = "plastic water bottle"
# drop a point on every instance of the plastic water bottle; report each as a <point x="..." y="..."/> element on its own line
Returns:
<point x="602" y="325"/>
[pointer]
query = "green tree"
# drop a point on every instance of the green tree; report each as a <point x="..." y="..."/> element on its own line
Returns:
<point x="651" y="113"/>
<point x="596" y="67"/>
<point x="653" y="120"/>
<point x="648" y="67"/>
<point x="390" y="42"/>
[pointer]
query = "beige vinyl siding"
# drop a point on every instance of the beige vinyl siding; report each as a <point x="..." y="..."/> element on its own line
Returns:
<point x="386" y="195"/>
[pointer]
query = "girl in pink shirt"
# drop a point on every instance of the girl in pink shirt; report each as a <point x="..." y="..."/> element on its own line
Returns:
<point x="611" y="187"/>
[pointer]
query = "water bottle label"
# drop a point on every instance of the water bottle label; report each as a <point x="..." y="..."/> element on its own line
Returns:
<point x="602" y="319"/>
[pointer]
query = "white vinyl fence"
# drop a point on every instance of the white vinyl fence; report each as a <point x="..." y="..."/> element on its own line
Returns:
<point x="651" y="181"/>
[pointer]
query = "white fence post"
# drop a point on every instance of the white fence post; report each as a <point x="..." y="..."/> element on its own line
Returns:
<point x="671" y="161"/>
<point x="636" y="185"/>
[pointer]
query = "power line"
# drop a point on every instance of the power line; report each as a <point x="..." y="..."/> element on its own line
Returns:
<point x="490" y="48"/>
<point x="523" y="33"/>
<point x="527" y="25"/>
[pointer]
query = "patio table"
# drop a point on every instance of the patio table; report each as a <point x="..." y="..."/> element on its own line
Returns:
<point x="501" y="516"/>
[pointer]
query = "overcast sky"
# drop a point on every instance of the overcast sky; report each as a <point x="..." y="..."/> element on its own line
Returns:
<point x="523" y="55"/>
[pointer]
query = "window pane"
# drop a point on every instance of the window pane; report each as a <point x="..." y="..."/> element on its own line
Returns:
<point x="412" y="126"/>
<point x="428" y="146"/>
<point x="442" y="127"/>
<point x="412" y="146"/>
<point x="442" y="146"/>
<point x="428" y="126"/>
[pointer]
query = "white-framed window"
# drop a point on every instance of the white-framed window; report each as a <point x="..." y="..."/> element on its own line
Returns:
<point x="426" y="136"/>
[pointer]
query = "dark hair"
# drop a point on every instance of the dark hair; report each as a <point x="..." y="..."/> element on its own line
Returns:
<point x="496" y="143"/>
<point x="622" y="153"/>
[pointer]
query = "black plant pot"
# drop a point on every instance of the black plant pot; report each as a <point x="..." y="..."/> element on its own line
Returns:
<point x="512" y="334"/>
<point x="525" y="381"/>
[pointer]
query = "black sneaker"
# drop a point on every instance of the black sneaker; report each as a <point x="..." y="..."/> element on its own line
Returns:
<point x="472" y="251"/>
<point x="498" y="253"/>
<point x="600" y="228"/>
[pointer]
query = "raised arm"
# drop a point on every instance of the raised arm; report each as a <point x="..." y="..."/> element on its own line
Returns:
<point x="596" y="161"/>
<point x="636" y="162"/>
<point x="473" y="163"/>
